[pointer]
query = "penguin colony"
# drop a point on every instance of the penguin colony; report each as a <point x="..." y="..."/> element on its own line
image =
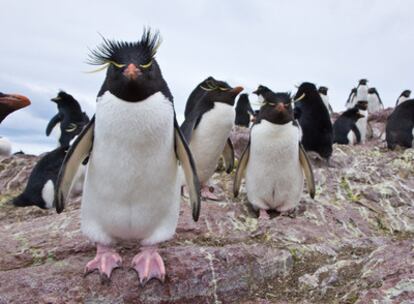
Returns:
<point x="135" y="121"/>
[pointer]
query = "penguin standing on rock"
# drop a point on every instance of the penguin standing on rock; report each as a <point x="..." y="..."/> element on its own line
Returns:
<point x="405" y="95"/>
<point x="362" y="90"/>
<point x="314" y="120"/>
<point x="374" y="101"/>
<point x="135" y="147"/>
<point x="70" y="118"/>
<point x="243" y="111"/>
<point x="8" y="104"/>
<point x="362" y="123"/>
<point x="399" y="130"/>
<point x="207" y="129"/>
<point x="345" y="130"/>
<point x="274" y="162"/>
<point x="323" y="91"/>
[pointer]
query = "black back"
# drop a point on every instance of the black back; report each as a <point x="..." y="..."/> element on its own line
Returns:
<point x="314" y="120"/>
<point x="47" y="168"/>
<point x="243" y="111"/>
<point x="344" y="124"/>
<point x="400" y="124"/>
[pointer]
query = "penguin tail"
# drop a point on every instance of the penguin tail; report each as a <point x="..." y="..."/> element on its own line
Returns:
<point x="20" y="201"/>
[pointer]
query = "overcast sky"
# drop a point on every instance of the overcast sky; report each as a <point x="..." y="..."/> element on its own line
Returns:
<point x="44" y="45"/>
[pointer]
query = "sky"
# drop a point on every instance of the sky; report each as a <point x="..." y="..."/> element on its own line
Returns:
<point x="44" y="46"/>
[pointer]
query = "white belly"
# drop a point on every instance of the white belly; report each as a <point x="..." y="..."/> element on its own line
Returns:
<point x="208" y="140"/>
<point x="351" y="138"/>
<point x="274" y="177"/>
<point x="374" y="104"/>
<point x="401" y="100"/>
<point x="5" y="147"/>
<point x="362" y="93"/>
<point x="131" y="189"/>
<point x="325" y="100"/>
<point x="362" y="125"/>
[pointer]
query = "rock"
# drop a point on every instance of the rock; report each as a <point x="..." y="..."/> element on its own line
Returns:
<point x="352" y="244"/>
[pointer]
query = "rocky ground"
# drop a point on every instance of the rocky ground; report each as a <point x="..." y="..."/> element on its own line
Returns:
<point x="352" y="244"/>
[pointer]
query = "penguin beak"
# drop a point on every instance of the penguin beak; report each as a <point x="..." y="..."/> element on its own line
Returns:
<point x="280" y="107"/>
<point x="237" y="90"/>
<point x="55" y="99"/>
<point x="14" y="101"/>
<point x="132" y="72"/>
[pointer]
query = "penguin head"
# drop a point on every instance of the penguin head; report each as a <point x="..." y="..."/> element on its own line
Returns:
<point x="372" y="91"/>
<point x="362" y="105"/>
<point x="133" y="73"/>
<point x="219" y="91"/>
<point x="353" y="114"/>
<point x="277" y="109"/>
<point x="406" y="93"/>
<point x="323" y="90"/>
<point x="363" y="81"/>
<point x="243" y="99"/>
<point x="65" y="100"/>
<point x="305" y="91"/>
<point x="10" y="103"/>
<point x="262" y="92"/>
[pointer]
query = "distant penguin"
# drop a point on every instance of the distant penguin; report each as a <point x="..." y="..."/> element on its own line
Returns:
<point x="362" y="90"/>
<point x="70" y="118"/>
<point x="243" y="111"/>
<point x="351" y="101"/>
<point x="262" y="93"/>
<point x="374" y="101"/>
<point x="345" y="129"/>
<point x="323" y="92"/>
<point x="135" y="149"/>
<point x="362" y="123"/>
<point x="207" y="129"/>
<point x="405" y="95"/>
<point x="8" y="104"/>
<point x="314" y="120"/>
<point x="197" y="93"/>
<point x="399" y="130"/>
<point x="274" y="161"/>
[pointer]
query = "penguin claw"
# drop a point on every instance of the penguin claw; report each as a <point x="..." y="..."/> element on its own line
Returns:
<point x="263" y="215"/>
<point x="105" y="261"/>
<point x="149" y="265"/>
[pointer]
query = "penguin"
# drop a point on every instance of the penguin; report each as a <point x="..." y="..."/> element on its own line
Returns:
<point x="350" y="103"/>
<point x="362" y="123"/>
<point x="314" y="120"/>
<point x="197" y="93"/>
<point x="274" y="162"/>
<point x="136" y="152"/>
<point x="262" y="92"/>
<point x="399" y="129"/>
<point x="405" y="95"/>
<point x="323" y="92"/>
<point x="8" y="104"/>
<point x="243" y="111"/>
<point x="207" y="130"/>
<point x="374" y="101"/>
<point x="70" y="119"/>
<point x="362" y="90"/>
<point x="345" y="129"/>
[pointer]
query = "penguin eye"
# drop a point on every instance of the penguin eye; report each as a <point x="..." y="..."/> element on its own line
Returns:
<point x="146" y="66"/>
<point x="118" y="65"/>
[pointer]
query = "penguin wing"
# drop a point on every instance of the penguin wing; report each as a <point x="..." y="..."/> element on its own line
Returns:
<point x="241" y="170"/>
<point x="193" y="119"/>
<point x="307" y="169"/>
<point x="187" y="163"/>
<point x="228" y="155"/>
<point x="77" y="153"/>
<point x="52" y="123"/>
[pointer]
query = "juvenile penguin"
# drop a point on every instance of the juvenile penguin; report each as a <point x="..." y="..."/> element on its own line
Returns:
<point x="323" y="91"/>
<point x="405" y="95"/>
<point x="400" y="126"/>
<point x="207" y="129"/>
<point x="374" y="101"/>
<point x="70" y="118"/>
<point x="362" y="90"/>
<point x="243" y="111"/>
<point x="8" y="104"/>
<point x="314" y="120"/>
<point x="135" y="147"/>
<point x="274" y="161"/>
<point x="362" y="123"/>
<point x="350" y="102"/>
<point x="345" y="129"/>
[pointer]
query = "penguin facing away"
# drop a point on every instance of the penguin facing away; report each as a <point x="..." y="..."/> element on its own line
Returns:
<point x="207" y="129"/>
<point x="405" y="95"/>
<point x="314" y="121"/>
<point x="374" y="101"/>
<point x="323" y="91"/>
<point x="134" y="146"/>
<point x="243" y="111"/>
<point x="345" y="129"/>
<point x="399" y="130"/>
<point x="350" y="102"/>
<point x="70" y="119"/>
<point x="274" y="162"/>
<point x="8" y="104"/>
<point x="362" y="123"/>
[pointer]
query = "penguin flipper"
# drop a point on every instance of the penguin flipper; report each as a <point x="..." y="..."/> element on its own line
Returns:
<point x="187" y="163"/>
<point x="228" y="155"/>
<point x="52" y="123"/>
<point x="241" y="170"/>
<point x="307" y="170"/>
<point x="76" y="154"/>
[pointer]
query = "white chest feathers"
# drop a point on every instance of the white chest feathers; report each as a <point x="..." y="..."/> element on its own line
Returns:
<point x="401" y="99"/>
<point x="325" y="99"/>
<point x="362" y="93"/>
<point x="374" y="104"/>
<point x="274" y="177"/>
<point x="362" y="125"/>
<point x="208" y="139"/>
<point x="5" y="147"/>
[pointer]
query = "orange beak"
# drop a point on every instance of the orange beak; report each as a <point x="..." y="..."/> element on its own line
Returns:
<point x="132" y="72"/>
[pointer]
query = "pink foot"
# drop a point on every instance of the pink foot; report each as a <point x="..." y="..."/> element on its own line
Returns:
<point x="106" y="260"/>
<point x="263" y="215"/>
<point x="207" y="193"/>
<point x="149" y="265"/>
